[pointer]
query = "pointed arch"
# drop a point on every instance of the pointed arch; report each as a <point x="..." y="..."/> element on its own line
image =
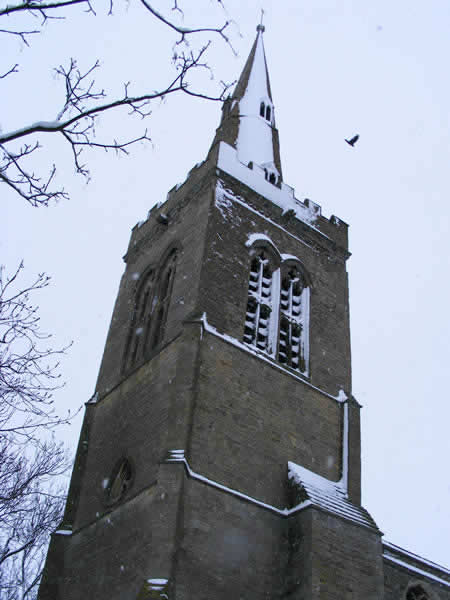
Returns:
<point x="120" y="481"/>
<point x="161" y="299"/>
<point x="262" y="109"/>
<point x="293" y="344"/>
<point x="141" y="319"/>
<point x="277" y="315"/>
<point x="261" y="314"/>
<point x="150" y="309"/>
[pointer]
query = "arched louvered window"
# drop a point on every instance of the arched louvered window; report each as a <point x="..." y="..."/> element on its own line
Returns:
<point x="294" y="316"/>
<point x="259" y="303"/>
<point x="161" y="300"/>
<point x="141" y="321"/>
<point x="416" y="592"/>
<point x="262" y="109"/>
<point x="268" y="111"/>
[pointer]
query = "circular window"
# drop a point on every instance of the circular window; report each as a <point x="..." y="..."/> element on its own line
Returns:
<point x="416" y="593"/>
<point x="120" y="481"/>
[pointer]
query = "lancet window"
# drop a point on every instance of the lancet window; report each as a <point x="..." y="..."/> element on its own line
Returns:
<point x="161" y="300"/>
<point x="270" y="176"/>
<point x="150" y="312"/>
<point x="277" y="316"/>
<point x="259" y="303"/>
<point x="294" y="300"/>
<point x="265" y="111"/>
<point x="141" y="321"/>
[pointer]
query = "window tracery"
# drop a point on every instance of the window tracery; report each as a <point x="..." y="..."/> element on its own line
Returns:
<point x="259" y="303"/>
<point x="150" y="312"/>
<point x="292" y="349"/>
<point x="141" y="321"/>
<point x="161" y="300"/>
<point x="277" y="315"/>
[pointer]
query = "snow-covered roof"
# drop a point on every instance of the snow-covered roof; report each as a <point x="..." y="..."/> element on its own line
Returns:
<point x="418" y="565"/>
<point x="328" y="495"/>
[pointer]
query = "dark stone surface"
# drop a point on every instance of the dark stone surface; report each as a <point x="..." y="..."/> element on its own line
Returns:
<point x="238" y="417"/>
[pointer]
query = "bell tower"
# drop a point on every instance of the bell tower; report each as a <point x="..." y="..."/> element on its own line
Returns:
<point x="220" y="454"/>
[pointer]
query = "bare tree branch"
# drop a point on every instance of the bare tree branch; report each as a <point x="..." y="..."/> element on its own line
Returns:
<point x="21" y="34"/>
<point x="11" y="70"/>
<point x="28" y="368"/>
<point x="38" y="6"/>
<point x="76" y="122"/>
<point x="31" y="462"/>
<point x="184" y="31"/>
<point x="76" y="95"/>
<point x="83" y="103"/>
<point x="28" y="514"/>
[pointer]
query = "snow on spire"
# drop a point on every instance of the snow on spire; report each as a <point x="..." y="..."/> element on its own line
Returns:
<point x="255" y="141"/>
<point x="248" y="121"/>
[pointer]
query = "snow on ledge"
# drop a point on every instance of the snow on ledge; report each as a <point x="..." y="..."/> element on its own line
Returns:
<point x="263" y="356"/>
<point x="93" y="399"/>
<point x="229" y="162"/>
<point x="285" y="257"/>
<point x="158" y="586"/>
<point x="415" y="569"/>
<point x="389" y="546"/>
<point x="330" y="497"/>
<point x="223" y="192"/>
<point x="157" y="583"/>
<point x="253" y="238"/>
<point x="257" y="237"/>
<point x="177" y="456"/>
<point x="301" y="475"/>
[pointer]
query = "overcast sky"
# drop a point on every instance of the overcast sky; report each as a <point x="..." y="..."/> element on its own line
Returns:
<point x="337" y="69"/>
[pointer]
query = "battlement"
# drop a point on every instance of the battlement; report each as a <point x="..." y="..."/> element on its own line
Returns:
<point x="253" y="176"/>
<point x="283" y="195"/>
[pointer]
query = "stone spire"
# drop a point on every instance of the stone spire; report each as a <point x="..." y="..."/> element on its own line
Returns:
<point x="248" y="120"/>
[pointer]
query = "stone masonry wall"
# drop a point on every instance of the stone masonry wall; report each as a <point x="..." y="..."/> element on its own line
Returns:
<point x="228" y="548"/>
<point x="250" y="419"/>
<point x="130" y="422"/>
<point x="224" y="284"/>
<point x="346" y="560"/>
<point x="187" y="213"/>
<point x="398" y="579"/>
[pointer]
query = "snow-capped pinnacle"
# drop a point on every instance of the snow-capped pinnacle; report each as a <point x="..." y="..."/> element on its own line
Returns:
<point x="248" y="120"/>
<point x="255" y="138"/>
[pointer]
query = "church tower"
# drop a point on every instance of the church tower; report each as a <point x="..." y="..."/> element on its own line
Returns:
<point x="220" y="454"/>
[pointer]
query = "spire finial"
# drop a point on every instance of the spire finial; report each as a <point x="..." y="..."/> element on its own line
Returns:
<point x="260" y="27"/>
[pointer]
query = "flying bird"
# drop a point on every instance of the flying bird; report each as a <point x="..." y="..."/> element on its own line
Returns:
<point x="353" y="141"/>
